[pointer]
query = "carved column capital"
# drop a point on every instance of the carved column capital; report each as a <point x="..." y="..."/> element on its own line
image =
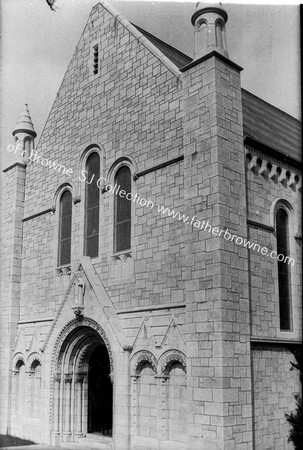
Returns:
<point x="57" y="377"/>
<point x="135" y="378"/>
<point x="80" y="377"/>
<point x="68" y="377"/>
<point x="163" y="378"/>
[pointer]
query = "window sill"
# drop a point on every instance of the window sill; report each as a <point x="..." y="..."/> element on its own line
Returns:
<point x="121" y="253"/>
<point x="63" y="270"/>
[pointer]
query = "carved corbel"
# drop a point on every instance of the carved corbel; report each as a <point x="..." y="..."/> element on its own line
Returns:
<point x="253" y="163"/>
<point x="273" y="173"/>
<point x="292" y="181"/>
<point x="282" y="178"/>
<point x="263" y="169"/>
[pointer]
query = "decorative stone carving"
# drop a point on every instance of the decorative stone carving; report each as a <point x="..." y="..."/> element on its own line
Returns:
<point x="78" y="307"/>
<point x="268" y="167"/>
<point x="140" y="358"/>
<point x="77" y="199"/>
<point x="57" y="377"/>
<point x="292" y="180"/>
<point x="273" y="172"/>
<point x="17" y="359"/>
<point x="163" y="378"/>
<point x="264" y="168"/>
<point x="68" y="378"/>
<point x="32" y="358"/>
<point x="135" y="378"/>
<point x="80" y="377"/>
<point x="253" y="163"/>
<point x="282" y="177"/>
<point x="80" y="283"/>
<point x="84" y="352"/>
<point x="168" y="358"/>
<point x="72" y="325"/>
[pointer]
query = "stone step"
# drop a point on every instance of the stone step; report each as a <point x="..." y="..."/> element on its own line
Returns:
<point x="91" y="442"/>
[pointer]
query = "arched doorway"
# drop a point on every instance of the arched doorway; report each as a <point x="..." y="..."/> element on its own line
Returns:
<point x="100" y="393"/>
<point x="82" y="384"/>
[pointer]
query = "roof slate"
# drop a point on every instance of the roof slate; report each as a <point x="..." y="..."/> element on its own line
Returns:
<point x="177" y="57"/>
<point x="271" y="126"/>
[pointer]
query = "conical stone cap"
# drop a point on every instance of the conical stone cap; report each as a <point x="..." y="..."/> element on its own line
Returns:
<point x="25" y="124"/>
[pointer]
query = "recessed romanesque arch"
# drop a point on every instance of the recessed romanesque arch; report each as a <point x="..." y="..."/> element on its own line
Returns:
<point x="170" y="357"/>
<point x="62" y="343"/>
<point x="140" y="358"/>
<point x="72" y="387"/>
<point x="173" y="368"/>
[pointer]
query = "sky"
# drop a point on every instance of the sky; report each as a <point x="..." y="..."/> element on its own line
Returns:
<point x="37" y="45"/>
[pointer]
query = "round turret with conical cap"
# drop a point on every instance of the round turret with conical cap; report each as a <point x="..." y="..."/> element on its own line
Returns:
<point x="209" y="21"/>
<point x="24" y="134"/>
<point x="25" y="124"/>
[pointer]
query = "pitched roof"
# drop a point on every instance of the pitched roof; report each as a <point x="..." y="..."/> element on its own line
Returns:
<point x="270" y="126"/>
<point x="177" y="57"/>
<point x="262" y="122"/>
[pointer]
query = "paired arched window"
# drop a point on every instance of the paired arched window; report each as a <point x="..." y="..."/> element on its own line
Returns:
<point x="65" y="228"/>
<point x="122" y="211"/>
<point x="92" y="200"/>
<point x="284" y="279"/>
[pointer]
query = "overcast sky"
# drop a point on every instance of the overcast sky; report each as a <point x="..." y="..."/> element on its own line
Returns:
<point x="37" y="45"/>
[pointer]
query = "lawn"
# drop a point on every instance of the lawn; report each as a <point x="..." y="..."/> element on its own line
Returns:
<point x="11" y="441"/>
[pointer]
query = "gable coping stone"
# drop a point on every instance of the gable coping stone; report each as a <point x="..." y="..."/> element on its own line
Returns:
<point x="138" y="35"/>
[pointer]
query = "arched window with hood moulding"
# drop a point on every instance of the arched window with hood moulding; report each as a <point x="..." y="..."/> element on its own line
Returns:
<point x="284" y="270"/>
<point x="92" y="206"/>
<point x="65" y="228"/>
<point x="122" y="211"/>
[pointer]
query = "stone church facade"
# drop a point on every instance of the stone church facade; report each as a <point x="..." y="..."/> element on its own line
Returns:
<point x="124" y="327"/>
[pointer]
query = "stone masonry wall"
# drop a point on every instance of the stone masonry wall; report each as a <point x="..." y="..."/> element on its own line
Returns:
<point x="273" y="388"/>
<point x="217" y="307"/>
<point x="262" y="193"/>
<point x="11" y="251"/>
<point x="133" y="108"/>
